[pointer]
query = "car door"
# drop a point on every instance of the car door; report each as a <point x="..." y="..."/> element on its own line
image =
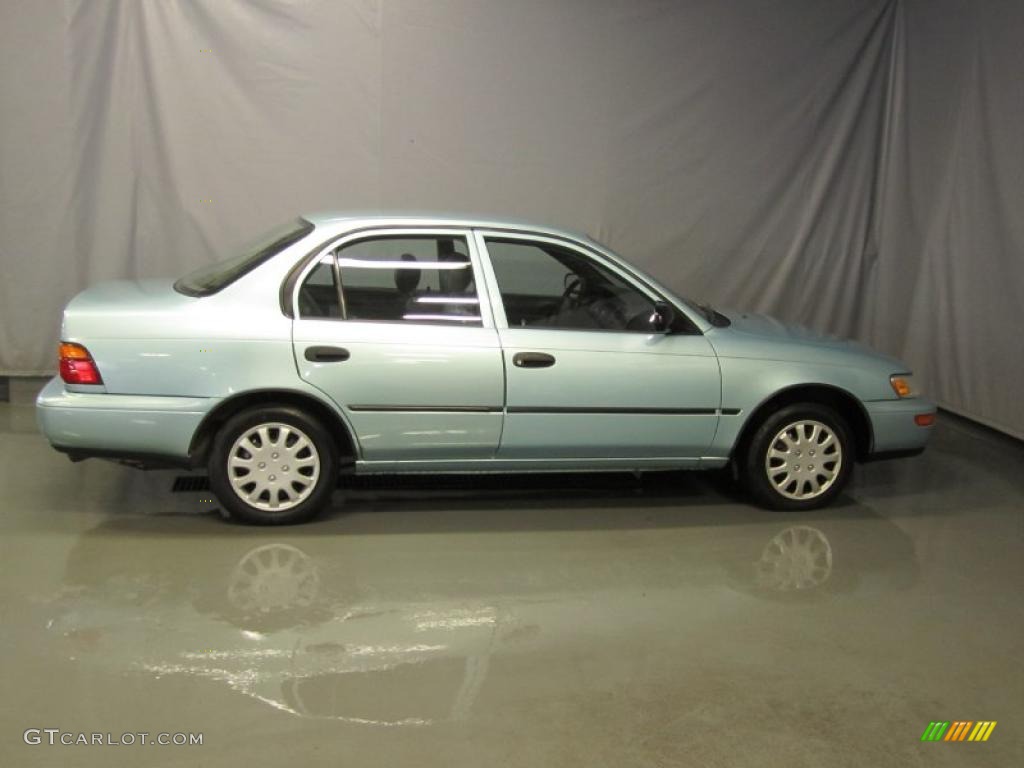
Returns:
<point x="586" y="376"/>
<point x="390" y="325"/>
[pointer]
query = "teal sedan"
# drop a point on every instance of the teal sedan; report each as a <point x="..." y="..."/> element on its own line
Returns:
<point x="352" y="343"/>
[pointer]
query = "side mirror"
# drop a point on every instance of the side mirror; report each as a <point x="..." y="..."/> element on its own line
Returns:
<point x="662" y="317"/>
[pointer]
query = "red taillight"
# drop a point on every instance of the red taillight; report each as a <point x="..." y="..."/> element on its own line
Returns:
<point x="924" y="419"/>
<point x="77" y="365"/>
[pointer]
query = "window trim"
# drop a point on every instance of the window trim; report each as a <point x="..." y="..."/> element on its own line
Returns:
<point x="328" y="250"/>
<point x="626" y="275"/>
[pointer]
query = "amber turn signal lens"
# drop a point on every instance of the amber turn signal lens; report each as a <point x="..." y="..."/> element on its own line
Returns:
<point x="901" y="386"/>
<point x="70" y="351"/>
<point x="924" y="419"/>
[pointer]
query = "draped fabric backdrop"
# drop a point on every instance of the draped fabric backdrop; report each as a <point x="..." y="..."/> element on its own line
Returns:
<point x="852" y="165"/>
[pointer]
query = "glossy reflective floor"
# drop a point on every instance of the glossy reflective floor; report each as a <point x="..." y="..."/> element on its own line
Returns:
<point x="576" y="621"/>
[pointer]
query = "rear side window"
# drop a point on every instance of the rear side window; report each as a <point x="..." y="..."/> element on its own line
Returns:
<point x="415" y="279"/>
<point x="208" y="280"/>
<point x="319" y="295"/>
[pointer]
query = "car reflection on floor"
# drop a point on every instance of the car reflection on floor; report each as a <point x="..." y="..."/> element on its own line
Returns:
<point x="398" y="626"/>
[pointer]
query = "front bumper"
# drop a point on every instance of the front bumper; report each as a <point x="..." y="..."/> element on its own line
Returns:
<point x="895" y="433"/>
<point x="136" y="427"/>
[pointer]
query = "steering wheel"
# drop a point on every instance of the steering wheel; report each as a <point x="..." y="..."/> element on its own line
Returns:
<point x="575" y="290"/>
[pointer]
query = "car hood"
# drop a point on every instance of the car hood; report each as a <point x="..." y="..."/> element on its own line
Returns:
<point x="770" y="327"/>
<point x="758" y="326"/>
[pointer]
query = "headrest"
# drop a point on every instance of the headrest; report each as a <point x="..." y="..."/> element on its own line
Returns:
<point x="407" y="280"/>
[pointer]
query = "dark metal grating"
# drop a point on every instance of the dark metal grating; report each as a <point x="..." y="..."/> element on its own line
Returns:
<point x="448" y="482"/>
<point x="196" y="483"/>
<point x="187" y="483"/>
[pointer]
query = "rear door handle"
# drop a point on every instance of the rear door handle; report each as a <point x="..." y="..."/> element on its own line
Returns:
<point x="326" y="354"/>
<point x="532" y="360"/>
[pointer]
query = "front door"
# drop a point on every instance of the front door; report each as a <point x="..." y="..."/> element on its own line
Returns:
<point x="586" y="375"/>
<point x="391" y="326"/>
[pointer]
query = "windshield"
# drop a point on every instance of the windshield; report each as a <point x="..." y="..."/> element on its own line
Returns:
<point x="703" y="309"/>
<point x="210" y="279"/>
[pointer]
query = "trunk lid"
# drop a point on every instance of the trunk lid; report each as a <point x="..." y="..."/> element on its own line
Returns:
<point x="123" y="309"/>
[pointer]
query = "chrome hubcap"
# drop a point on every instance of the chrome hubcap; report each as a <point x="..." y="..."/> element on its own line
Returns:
<point x="804" y="459"/>
<point x="273" y="466"/>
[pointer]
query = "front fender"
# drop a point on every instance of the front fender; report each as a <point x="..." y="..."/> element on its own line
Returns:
<point x="747" y="384"/>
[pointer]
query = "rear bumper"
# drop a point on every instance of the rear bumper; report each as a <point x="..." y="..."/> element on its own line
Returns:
<point x="894" y="431"/>
<point x="137" y="428"/>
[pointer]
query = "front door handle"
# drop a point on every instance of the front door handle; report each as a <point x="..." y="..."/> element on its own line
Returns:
<point x="326" y="354"/>
<point x="532" y="360"/>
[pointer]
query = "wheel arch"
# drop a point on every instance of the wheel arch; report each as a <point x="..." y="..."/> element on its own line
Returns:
<point x="842" y="401"/>
<point x="340" y="431"/>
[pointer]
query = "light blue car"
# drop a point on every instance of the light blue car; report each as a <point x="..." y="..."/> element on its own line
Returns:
<point x="398" y="343"/>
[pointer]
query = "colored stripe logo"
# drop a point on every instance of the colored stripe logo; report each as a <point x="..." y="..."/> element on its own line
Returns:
<point x="958" y="730"/>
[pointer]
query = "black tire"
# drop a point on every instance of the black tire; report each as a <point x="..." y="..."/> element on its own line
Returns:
<point x="810" y="477"/>
<point x="301" y="494"/>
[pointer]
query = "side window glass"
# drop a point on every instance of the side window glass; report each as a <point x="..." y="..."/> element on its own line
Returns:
<point x="421" y="279"/>
<point x="547" y="286"/>
<point x="318" y="296"/>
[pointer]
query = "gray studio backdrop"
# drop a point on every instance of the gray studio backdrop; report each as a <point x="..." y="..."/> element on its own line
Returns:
<point x="854" y="166"/>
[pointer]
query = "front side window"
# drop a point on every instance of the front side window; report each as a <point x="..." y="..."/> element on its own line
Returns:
<point x="420" y="279"/>
<point x="548" y="286"/>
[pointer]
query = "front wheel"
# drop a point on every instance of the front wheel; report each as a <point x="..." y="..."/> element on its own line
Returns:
<point x="273" y="466"/>
<point x="799" y="458"/>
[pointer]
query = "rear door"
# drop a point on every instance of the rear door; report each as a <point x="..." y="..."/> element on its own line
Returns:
<point x="586" y="375"/>
<point x="391" y="326"/>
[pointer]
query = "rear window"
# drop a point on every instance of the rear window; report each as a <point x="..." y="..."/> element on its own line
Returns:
<point x="210" y="279"/>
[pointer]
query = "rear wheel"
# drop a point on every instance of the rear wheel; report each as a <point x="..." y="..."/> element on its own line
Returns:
<point x="799" y="458"/>
<point x="273" y="466"/>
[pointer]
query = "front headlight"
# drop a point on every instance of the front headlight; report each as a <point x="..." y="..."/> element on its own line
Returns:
<point x="903" y="385"/>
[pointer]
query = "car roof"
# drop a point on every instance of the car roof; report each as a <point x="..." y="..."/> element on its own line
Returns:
<point x="437" y="219"/>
